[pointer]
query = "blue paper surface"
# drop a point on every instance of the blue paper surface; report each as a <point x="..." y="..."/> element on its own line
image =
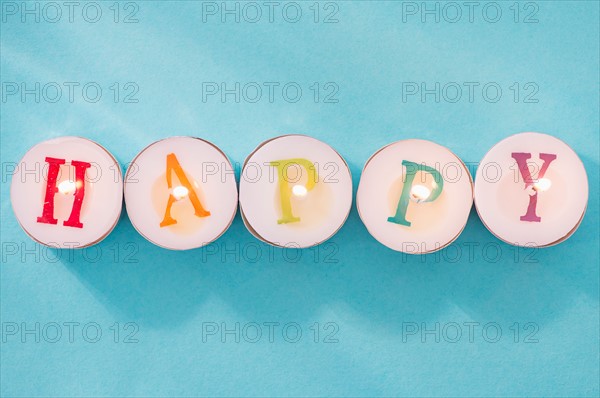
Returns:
<point x="349" y="317"/>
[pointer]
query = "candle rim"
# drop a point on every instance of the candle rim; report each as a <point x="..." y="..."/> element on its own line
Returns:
<point x="371" y="230"/>
<point x="261" y="145"/>
<point x="569" y="233"/>
<point x="118" y="183"/>
<point x="204" y="243"/>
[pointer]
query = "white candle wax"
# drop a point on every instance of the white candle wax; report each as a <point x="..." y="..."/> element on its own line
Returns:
<point x="295" y="191"/>
<point x="67" y="192"/>
<point x="181" y="193"/>
<point x="531" y="189"/>
<point x="414" y="196"/>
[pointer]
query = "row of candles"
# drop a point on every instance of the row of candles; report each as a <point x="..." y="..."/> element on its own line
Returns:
<point x="296" y="191"/>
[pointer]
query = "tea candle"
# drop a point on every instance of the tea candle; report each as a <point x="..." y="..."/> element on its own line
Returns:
<point x="67" y="192"/>
<point x="414" y="196"/>
<point x="181" y="193"/>
<point x="531" y="189"/>
<point x="295" y="191"/>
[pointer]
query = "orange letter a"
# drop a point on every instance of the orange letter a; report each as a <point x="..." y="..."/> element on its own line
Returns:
<point x="174" y="166"/>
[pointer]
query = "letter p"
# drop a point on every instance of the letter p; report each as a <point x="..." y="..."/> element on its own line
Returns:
<point x="419" y="191"/>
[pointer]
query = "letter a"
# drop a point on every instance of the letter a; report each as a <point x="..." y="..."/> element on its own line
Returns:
<point x="173" y="166"/>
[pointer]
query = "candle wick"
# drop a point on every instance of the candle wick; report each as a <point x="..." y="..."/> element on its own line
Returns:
<point x="180" y="192"/>
<point x="299" y="191"/>
<point x="67" y="187"/>
<point x="543" y="184"/>
<point x="420" y="193"/>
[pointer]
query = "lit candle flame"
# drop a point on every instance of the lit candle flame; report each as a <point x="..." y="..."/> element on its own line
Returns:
<point x="180" y="192"/>
<point x="67" y="187"/>
<point x="543" y="184"/>
<point x="299" y="191"/>
<point x="419" y="193"/>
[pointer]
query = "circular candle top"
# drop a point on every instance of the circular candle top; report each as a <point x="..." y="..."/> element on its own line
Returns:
<point x="67" y="192"/>
<point x="295" y="191"/>
<point x="415" y="196"/>
<point x="180" y="193"/>
<point x="531" y="189"/>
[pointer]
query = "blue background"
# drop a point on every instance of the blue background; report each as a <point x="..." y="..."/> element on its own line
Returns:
<point x="370" y="294"/>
